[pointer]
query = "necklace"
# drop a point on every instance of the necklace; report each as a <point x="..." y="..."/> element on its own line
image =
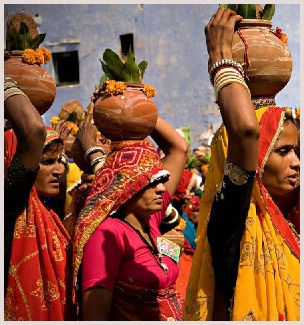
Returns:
<point x="153" y="249"/>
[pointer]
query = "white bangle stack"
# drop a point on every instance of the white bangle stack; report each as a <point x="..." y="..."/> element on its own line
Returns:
<point x="91" y="151"/>
<point x="171" y="220"/>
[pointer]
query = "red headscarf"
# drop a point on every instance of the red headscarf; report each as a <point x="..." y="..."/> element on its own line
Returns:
<point x="38" y="281"/>
<point x="130" y="166"/>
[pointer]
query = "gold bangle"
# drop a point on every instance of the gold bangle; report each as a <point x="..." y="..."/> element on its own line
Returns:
<point x="12" y="91"/>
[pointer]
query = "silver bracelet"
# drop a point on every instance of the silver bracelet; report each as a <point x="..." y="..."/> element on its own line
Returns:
<point x="92" y="150"/>
<point x="172" y="220"/>
<point x="228" y="62"/>
<point x="97" y="160"/>
<point x="99" y="165"/>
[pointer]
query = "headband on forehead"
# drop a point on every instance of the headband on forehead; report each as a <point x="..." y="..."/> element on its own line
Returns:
<point x="51" y="135"/>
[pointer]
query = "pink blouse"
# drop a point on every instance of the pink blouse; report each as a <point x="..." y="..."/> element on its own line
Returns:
<point x="116" y="258"/>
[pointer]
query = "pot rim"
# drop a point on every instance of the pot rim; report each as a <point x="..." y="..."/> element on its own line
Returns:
<point x="8" y="54"/>
<point x="254" y="23"/>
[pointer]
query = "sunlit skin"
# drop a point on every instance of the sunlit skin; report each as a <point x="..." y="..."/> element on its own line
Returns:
<point x="47" y="181"/>
<point x="282" y="171"/>
<point x="146" y="201"/>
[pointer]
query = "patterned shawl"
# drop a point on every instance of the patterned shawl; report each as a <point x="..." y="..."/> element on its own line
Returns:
<point x="39" y="281"/>
<point x="268" y="281"/>
<point x="129" y="167"/>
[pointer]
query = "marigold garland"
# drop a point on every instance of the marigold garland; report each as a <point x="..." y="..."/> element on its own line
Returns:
<point x="115" y="87"/>
<point x="38" y="56"/>
<point x="112" y="87"/>
<point x="149" y="91"/>
<point x="55" y="119"/>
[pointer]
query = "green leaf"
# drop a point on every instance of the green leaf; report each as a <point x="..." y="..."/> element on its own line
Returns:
<point x="103" y="78"/>
<point x="23" y="28"/>
<point x="130" y="71"/>
<point x="34" y="43"/>
<point x="72" y="117"/>
<point x="15" y="41"/>
<point x="268" y="12"/>
<point x="113" y="61"/>
<point x="26" y="39"/>
<point x="110" y="73"/>
<point x="142" y="67"/>
<point x="247" y="11"/>
<point x="232" y="7"/>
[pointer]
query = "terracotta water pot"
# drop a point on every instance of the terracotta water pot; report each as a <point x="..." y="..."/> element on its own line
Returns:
<point x="32" y="79"/>
<point x="129" y="116"/>
<point x="268" y="61"/>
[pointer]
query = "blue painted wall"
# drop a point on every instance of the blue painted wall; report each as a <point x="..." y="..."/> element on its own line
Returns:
<point x="169" y="36"/>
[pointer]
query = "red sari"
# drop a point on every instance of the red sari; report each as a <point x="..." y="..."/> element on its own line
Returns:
<point x="38" y="285"/>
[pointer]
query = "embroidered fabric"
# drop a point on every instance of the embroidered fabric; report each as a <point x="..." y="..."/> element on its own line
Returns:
<point x="18" y="177"/>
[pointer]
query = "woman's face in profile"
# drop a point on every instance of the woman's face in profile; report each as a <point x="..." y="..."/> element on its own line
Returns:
<point x="282" y="171"/>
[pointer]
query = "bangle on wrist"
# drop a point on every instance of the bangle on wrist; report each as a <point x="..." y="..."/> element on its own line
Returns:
<point x="98" y="165"/>
<point x="172" y="220"/>
<point x="168" y="211"/>
<point x="92" y="150"/>
<point x="97" y="160"/>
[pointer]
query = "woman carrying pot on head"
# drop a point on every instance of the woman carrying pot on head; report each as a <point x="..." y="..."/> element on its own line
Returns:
<point x="247" y="261"/>
<point x="125" y="269"/>
<point x="36" y="266"/>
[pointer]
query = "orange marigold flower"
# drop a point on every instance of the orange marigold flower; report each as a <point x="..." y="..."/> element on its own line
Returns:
<point x="74" y="127"/>
<point x="182" y="225"/>
<point x="28" y="56"/>
<point x="39" y="56"/>
<point x="284" y="38"/>
<point x="47" y="54"/>
<point x="54" y="120"/>
<point x="149" y="91"/>
<point x="115" y="87"/>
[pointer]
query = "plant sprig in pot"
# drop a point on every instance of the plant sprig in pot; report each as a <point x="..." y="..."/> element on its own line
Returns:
<point x="252" y="11"/>
<point x="123" y="108"/>
<point x="118" y="72"/>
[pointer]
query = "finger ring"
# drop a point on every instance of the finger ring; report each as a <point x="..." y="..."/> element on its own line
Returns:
<point x="92" y="121"/>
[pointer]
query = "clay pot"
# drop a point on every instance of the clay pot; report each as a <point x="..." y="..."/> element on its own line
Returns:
<point x="130" y="116"/>
<point x="270" y="60"/>
<point x="32" y="79"/>
<point x="69" y="107"/>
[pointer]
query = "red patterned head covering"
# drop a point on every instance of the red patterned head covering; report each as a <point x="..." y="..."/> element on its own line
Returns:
<point x="193" y="205"/>
<point x="10" y="142"/>
<point x="130" y="166"/>
<point x="51" y="135"/>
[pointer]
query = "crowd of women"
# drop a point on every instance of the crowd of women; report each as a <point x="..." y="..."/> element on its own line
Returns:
<point x="110" y="260"/>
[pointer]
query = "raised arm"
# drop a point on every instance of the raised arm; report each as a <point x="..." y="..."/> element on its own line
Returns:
<point x="175" y="149"/>
<point x="234" y="101"/>
<point x="26" y="123"/>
